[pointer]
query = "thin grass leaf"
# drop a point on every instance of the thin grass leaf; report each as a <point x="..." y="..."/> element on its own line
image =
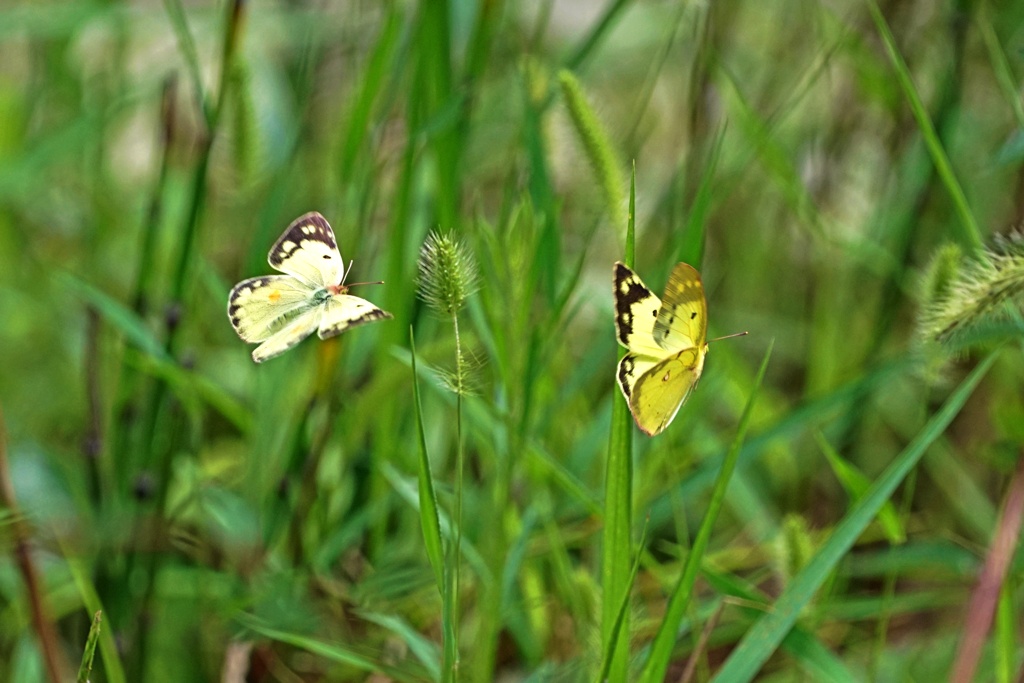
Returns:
<point x="429" y="523"/>
<point x="764" y="637"/>
<point x="1005" y="645"/>
<point x="192" y="388"/>
<point x="592" y="39"/>
<point x="117" y="314"/>
<point x="664" y="642"/>
<point x="404" y="487"/>
<point x="691" y="244"/>
<point x="856" y="484"/>
<point x="620" y="618"/>
<point x="618" y="503"/>
<point x="378" y="67"/>
<point x="90" y="649"/>
<point x="970" y="233"/>
<point x="421" y="648"/>
<point x="330" y="652"/>
<point x="112" y="669"/>
<point x="1000" y="64"/>
<point x="187" y="46"/>
<point x="807" y="649"/>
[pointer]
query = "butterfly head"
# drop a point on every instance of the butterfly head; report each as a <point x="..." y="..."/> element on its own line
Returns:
<point x="335" y="290"/>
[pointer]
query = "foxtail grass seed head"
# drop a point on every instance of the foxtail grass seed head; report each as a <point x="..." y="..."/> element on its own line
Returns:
<point x="793" y="547"/>
<point x="447" y="273"/>
<point x="961" y="294"/>
<point x="463" y="380"/>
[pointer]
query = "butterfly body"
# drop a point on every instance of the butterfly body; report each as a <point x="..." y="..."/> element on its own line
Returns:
<point x="279" y="311"/>
<point x="666" y="341"/>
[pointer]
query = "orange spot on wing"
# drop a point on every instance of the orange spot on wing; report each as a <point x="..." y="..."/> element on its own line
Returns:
<point x="274" y="296"/>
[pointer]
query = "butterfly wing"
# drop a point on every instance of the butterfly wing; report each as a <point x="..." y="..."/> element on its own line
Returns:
<point x="295" y="330"/>
<point x="682" y="321"/>
<point x="308" y="251"/>
<point x="343" y="311"/>
<point x="261" y="306"/>
<point x="655" y="389"/>
<point x="636" y="311"/>
<point x="666" y="341"/>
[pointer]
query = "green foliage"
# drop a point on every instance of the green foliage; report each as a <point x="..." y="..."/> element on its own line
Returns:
<point x="337" y="513"/>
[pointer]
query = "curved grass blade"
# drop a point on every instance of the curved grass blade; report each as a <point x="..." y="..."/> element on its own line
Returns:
<point x="664" y="641"/>
<point x="329" y="651"/>
<point x="429" y="519"/>
<point x="764" y="637"/>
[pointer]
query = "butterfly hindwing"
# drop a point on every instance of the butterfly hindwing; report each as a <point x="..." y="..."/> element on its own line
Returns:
<point x="343" y="311"/>
<point x="683" y="317"/>
<point x="661" y="390"/>
<point x="308" y="251"/>
<point x="636" y="310"/>
<point x="260" y="306"/>
<point x="294" y="331"/>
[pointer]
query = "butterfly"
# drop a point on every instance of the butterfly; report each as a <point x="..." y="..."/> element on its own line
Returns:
<point x="667" y="343"/>
<point x="281" y="310"/>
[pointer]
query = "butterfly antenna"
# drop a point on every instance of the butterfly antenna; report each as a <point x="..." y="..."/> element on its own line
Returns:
<point x="729" y="336"/>
<point x="375" y="282"/>
<point x="347" y="271"/>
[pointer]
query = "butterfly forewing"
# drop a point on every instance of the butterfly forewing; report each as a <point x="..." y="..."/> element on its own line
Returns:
<point x="636" y="310"/>
<point x="308" y="251"/>
<point x="261" y="306"/>
<point x="343" y="311"/>
<point x="297" y="329"/>
<point x="683" y="317"/>
<point x="658" y="394"/>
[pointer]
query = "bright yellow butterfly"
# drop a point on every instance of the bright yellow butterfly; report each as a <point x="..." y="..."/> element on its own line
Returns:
<point x="667" y="342"/>
<point x="282" y="310"/>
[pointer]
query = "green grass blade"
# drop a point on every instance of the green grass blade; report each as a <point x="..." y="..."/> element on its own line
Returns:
<point x="430" y="524"/>
<point x="1005" y="642"/>
<point x="620" y="618"/>
<point x="112" y="667"/>
<point x="371" y="83"/>
<point x="817" y="659"/>
<point x="762" y="640"/>
<point x="187" y="45"/>
<point x="330" y="652"/>
<point x="618" y="506"/>
<point x="856" y="484"/>
<point x="90" y="649"/>
<point x="429" y="520"/>
<point x="970" y="233"/>
<point x="117" y="314"/>
<point x="691" y="244"/>
<point x="419" y="646"/>
<point x="664" y="641"/>
<point x="592" y="39"/>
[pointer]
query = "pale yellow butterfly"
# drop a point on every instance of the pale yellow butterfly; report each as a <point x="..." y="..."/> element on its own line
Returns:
<point x="667" y="343"/>
<point x="281" y="310"/>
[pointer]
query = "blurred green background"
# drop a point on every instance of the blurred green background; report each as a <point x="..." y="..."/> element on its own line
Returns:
<point x="243" y="522"/>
